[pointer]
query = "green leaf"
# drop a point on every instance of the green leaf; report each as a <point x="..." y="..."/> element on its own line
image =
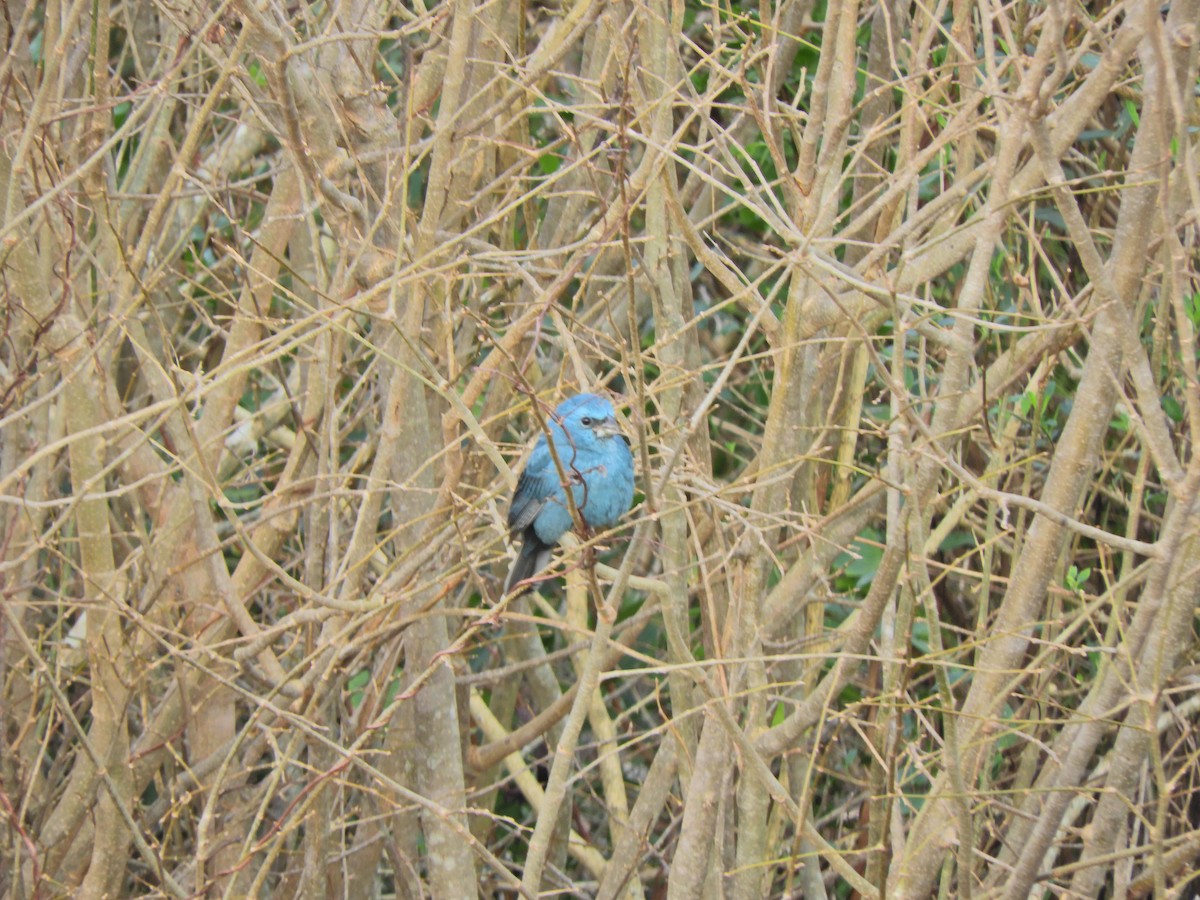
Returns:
<point x="1131" y="110"/>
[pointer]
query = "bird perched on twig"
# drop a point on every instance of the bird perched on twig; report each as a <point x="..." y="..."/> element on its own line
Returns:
<point x="598" y="464"/>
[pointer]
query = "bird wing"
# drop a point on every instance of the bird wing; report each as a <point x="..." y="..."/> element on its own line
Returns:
<point x="537" y="483"/>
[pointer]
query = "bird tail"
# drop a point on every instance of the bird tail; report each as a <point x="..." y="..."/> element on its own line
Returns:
<point x="532" y="558"/>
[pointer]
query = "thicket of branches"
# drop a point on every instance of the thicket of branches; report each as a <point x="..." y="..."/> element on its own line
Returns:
<point x="899" y="303"/>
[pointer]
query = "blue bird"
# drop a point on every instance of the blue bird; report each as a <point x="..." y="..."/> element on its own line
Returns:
<point x="597" y="462"/>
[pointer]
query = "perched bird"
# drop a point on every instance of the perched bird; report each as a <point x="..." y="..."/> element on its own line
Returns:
<point x="598" y="464"/>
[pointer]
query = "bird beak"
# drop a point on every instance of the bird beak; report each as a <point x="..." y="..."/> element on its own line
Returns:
<point x="608" y="427"/>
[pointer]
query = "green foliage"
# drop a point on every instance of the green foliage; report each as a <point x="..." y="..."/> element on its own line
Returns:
<point x="856" y="567"/>
<point x="1076" y="579"/>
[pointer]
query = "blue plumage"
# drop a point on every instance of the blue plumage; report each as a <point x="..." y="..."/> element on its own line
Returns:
<point x="598" y="463"/>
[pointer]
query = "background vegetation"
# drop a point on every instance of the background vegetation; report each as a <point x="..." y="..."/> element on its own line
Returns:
<point x="900" y="302"/>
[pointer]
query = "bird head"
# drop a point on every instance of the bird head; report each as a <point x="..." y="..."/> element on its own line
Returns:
<point x="587" y="418"/>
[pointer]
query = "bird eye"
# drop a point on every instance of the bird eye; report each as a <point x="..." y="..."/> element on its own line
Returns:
<point x="585" y="421"/>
